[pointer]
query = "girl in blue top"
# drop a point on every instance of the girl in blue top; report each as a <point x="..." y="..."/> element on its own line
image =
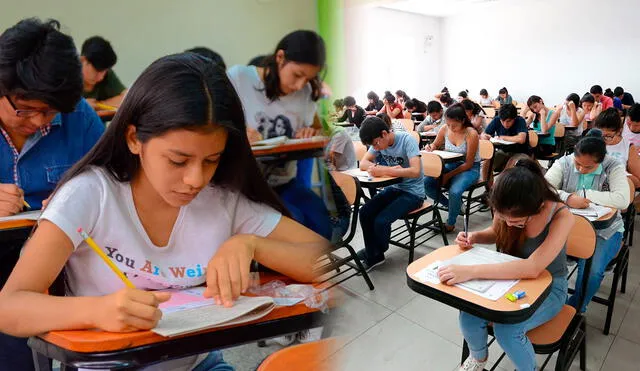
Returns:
<point x="544" y="121"/>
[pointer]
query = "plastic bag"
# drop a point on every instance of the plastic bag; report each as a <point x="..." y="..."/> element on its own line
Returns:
<point x="312" y="297"/>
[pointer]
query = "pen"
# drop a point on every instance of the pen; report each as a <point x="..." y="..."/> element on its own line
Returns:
<point x="466" y="227"/>
<point x="26" y="204"/>
<point x="584" y="192"/>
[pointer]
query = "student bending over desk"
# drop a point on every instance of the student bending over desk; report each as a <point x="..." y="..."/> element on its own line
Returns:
<point x="163" y="193"/>
<point x="543" y="120"/>
<point x="618" y="146"/>
<point x="101" y="84"/>
<point x="590" y="175"/>
<point x="532" y="223"/>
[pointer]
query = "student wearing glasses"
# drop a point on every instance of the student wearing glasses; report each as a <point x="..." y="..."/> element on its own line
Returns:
<point x="46" y="127"/>
<point x="618" y="146"/>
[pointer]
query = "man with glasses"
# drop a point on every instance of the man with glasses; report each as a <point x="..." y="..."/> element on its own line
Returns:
<point x="46" y="127"/>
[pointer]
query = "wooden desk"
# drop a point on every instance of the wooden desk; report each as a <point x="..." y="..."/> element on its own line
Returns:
<point x="542" y="135"/>
<point x="373" y="184"/>
<point x="499" y="311"/>
<point x="448" y="156"/>
<point x="100" y="349"/>
<point x="292" y="151"/>
<point x="13" y="234"/>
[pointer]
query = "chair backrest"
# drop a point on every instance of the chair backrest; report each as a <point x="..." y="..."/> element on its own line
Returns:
<point x="489" y="112"/>
<point x="415" y="136"/>
<point x="533" y="139"/>
<point x="486" y="149"/>
<point x="308" y="356"/>
<point x="348" y="185"/>
<point x="632" y="190"/>
<point x="432" y="164"/>
<point x="559" y="131"/>
<point x="360" y="149"/>
<point x="582" y="238"/>
<point x="408" y="124"/>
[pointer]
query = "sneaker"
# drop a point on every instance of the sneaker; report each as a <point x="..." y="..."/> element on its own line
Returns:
<point x="282" y="340"/>
<point x="367" y="266"/>
<point x="310" y="335"/>
<point x="472" y="365"/>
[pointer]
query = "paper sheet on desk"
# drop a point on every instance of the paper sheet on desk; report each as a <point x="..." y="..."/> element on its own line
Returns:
<point x="29" y="215"/>
<point x="500" y="141"/>
<point x="593" y="212"/>
<point x="489" y="289"/>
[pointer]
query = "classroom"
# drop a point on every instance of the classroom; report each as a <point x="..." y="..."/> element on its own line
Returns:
<point x="271" y="185"/>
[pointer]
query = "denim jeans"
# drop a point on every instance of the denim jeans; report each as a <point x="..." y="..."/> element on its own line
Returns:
<point x="457" y="186"/>
<point x="306" y="207"/>
<point x="214" y="362"/>
<point x="513" y="337"/>
<point x="377" y="215"/>
<point x="605" y="251"/>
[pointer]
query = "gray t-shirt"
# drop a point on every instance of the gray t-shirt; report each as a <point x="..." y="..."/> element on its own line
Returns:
<point x="403" y="149"/>
<point x="344" y="152"/>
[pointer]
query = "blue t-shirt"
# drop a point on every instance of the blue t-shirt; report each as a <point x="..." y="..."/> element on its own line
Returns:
<point x="495" y="128"/>
<point x="403" y="149"/>
<point x="44" y="158"/>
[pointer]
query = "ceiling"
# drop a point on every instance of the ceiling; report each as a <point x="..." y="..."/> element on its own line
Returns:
<point x="436" y="8"/>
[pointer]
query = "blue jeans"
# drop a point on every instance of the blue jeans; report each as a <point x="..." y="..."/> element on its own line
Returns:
<point x="305" y="171"/>
<point x="605" y="251"/>
<point x="306" y="207"/>
<point x="513" y="337"/>
<point x="214" y="362"/>
<point x="377" y="215"/>
<point x="457" y="186"/>
<point x="14" y="353"/>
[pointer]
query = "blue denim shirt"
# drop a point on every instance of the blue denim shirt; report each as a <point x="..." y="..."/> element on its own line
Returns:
<point x="45" y="157"/>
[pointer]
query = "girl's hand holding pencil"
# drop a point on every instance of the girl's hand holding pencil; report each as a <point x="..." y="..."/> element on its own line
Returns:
<point x="465" y="240"/>
<point x="129" y="310"/>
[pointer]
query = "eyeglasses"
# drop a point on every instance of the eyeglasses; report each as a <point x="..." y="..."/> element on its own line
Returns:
<point x="25" y="113"/>
<point x="517" y="224"/>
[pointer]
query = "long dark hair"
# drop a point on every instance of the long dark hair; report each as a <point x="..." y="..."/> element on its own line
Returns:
<point x="530" y="102"/>
<point x="302" y="46"/>
<point x="458" y="113"/>
<point x="181" y="91"/>
<point x="519" y="191"/>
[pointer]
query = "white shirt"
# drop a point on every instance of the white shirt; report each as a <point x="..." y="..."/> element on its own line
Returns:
<point x="620" y="151"/>
<point x="284" y="116"/>
<point x="104" y="208"/>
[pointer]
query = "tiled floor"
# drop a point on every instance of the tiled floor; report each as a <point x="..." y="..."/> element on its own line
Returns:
<point x="394" y="328"/>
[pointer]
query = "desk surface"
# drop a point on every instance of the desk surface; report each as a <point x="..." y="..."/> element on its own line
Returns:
<point x="500" y="311"/>
<point x="286" y="148"/>
<point x="445" y="155"/>
<point x="13" y="224"/>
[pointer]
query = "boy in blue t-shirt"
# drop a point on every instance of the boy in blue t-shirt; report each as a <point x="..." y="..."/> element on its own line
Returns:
<point x="508" y="126"/>
<point x="400" y="151"/>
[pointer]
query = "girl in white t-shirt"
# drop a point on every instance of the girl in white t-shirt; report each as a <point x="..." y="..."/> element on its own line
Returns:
<point x="174" y="196"/>
<point x="618" y="146"/>
<point x="280" y="99"/>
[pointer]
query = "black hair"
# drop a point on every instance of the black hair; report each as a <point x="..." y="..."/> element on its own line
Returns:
<point x="508" y="111"/>
<point x="444" y="90"/>
<point x="575" y="98"/>
<point x="618" y="91"/>
<point x="503" y="91"/>
<point x="608" y="93"/>
<point x="208" y="53"/>
<point x="338" y="103"/>
<point x="464" y="94"/>
<point x="484" y="92"/>
<point x="596" y="89"/>
<point x="593" y="145"/>
<point x="519" y="191"/>
<point x="531" y="101"/>
<point x="373" y="96"/>
<point x="389" y="97"/>
<point x="472" y="106"/>
<point x="457" y="112"/>
<point x="181" y="92"/>
<point x="304" y="47"/>
<point x="38" y="62"/>
<point x="349" y="101"/>
<point x="446" y="99"/>
<point x="402" y="94"/>
<point x="434" y="106"/>
<point x="258" y="61"/>
<point x="372" y="128"/>
<point x="634" y="112"/>
<point x="420" y="106"/>
<point x="587" y="98"/>
<point x="609" y="119"/>
<point x="99" y="53"/>
<point x="386" y="119"/>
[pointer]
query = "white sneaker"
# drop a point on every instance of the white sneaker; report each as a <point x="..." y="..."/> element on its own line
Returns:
<point x="472" y="365"/>
<point x="283" y="340"/>
<point x="310" y="335"/>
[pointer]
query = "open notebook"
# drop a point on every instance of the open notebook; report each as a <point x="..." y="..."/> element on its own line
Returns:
<point x="29" y="215"/>
<point x="593" y="212"/>
<point x="188" y="311"/>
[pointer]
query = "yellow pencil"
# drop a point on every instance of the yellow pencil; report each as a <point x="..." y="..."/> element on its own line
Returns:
<point x="106" y="107"/>
<point x="26" y="204"/>
<point x="104" y="257"/>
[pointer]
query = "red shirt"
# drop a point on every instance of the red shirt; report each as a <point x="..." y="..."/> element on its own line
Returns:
<point x="606" y="102"/>
<point x="399" y="107"/>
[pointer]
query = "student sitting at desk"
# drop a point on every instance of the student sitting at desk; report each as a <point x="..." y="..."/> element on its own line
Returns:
<point x="510" y="127"/>
<point x="542" y="120"/>
<point x="598" y="95"/>
<point x="485" y="100"/>
<point x="475" y="113"/>
<point x="631" y="130"/>
<point x="402" y="98"/>
<point x="413" y="107"/>
<point x="162" y="190"/>
<point x="338" y="107"/>
<point x="591" y="110"/>
<point x="625" y="97"/>
<point x="391" y="107"/>
<point x="375" y="104"/>
<point x="435" y="118"/>
<point x="618" y="146"/>
<point x="46" y="127"/>
<point x="463" y="95"/>
<point x="340" y="153"/>
<point x="572" y="116"/>
<point x="394" y="125"/>
<point x="504" y="97"/>
<point x="101" y="85"/>
<point x="617" y="103"/>
<point x="532" y="223"/>
<point x="354" y="114"/>
<point x="458" y="136"/>
<point x="400" y="152"/>
<point x="590" y="175"/>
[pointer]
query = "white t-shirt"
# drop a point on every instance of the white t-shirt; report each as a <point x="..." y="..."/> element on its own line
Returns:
<point x="104" y="208"/>
<point x="620" y="151"/>
<point x="284" y="116"/>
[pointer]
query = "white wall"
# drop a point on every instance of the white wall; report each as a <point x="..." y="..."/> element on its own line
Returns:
<point x="144" y="30"/>
<point x="386" y="50"/>
<point x="543" y="47"/>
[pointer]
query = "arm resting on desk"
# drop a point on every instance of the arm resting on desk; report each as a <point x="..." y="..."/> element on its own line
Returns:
<point x="520" y="138"/>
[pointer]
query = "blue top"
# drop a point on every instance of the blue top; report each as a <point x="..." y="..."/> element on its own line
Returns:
<point x="550" y="140"/>
<point x="462" y="148"/>
<point x="403" y="149"/>
<point x="519" y="126"/>
<point x="46" y="155"/>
